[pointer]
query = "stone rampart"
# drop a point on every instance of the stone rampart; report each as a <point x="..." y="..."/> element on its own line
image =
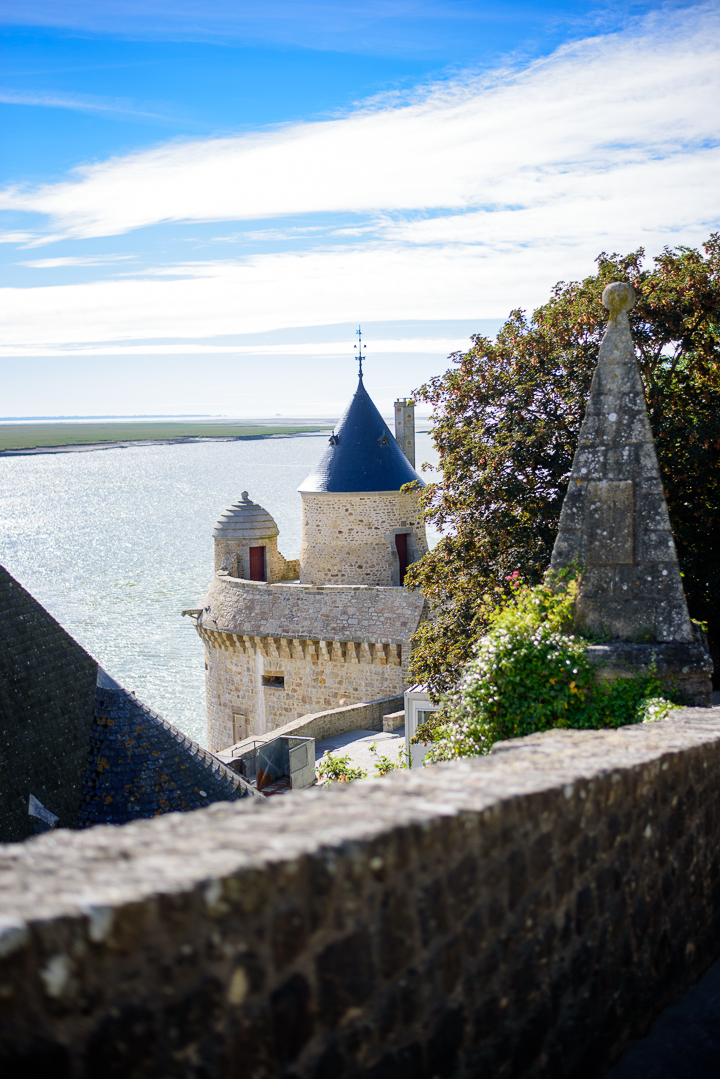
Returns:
<point x="519" y="915"/>
<point x="327" y="612"/>
<point x="327" y="644"/>
<point x="366" y="716"/>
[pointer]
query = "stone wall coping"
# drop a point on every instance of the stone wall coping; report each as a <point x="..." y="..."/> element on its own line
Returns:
<point x="365" y="715"/>
<point x="352" y="494"/>
<point x="296" y="586"/>
<point x="77" y="874"/>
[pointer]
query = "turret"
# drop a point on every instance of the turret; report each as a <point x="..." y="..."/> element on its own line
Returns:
<point x="358" y="528"/>
<point x="246" y="544"/>
<point x="277" y="648"/>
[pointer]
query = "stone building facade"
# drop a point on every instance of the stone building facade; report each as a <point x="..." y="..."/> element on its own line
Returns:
<point x="285" y="637"/>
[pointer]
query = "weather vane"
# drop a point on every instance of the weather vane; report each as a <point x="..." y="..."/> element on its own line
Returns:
<point x="360" y="346"/>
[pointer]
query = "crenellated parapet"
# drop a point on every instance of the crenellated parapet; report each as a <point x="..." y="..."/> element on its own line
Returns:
<point x="379" y="653"/>
<point x="276" y="651"/>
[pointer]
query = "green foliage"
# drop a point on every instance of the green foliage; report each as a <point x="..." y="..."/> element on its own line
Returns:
<point x="529" y="674"/>
<point x="506" y="422"/>
<point x="332" y="769"/>
<point x="384" y="765"/>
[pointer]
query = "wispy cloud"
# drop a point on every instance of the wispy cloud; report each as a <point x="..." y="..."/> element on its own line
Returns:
<point x="252" y="236"/>
<point x="400" y="27"/>
<point x="17" y="237"/>
<point x="49" y="99"/>
<point x="74" y="260"/>
<point x="472" y="198"/>
<point x="597" y="108"/>
<point x="384" y="346"/>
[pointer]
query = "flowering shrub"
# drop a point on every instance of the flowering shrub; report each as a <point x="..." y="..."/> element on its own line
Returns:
<point x="384" y="765"/>
<point x="333" y="769"/>
<point x="530" y="674"/>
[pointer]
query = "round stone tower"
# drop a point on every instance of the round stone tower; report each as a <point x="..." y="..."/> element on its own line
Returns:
<point x="278" y="647"/>
<point x="358" y="526"/>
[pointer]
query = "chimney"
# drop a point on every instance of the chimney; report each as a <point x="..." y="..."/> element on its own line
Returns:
<point x="405" y="427"/>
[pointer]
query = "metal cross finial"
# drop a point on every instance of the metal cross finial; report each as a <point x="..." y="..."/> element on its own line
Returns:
<point x="360" y="346"/>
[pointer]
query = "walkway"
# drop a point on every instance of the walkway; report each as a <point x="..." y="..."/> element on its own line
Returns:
<point x="684" y="1040"/>
<point x="356" y="745"/>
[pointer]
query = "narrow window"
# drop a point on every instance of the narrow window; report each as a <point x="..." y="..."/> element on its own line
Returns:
<point x="277" y="681"/>
<point x="239" y="726"/>
<point x="401" y="546"/>
<point x="257" y="563"/>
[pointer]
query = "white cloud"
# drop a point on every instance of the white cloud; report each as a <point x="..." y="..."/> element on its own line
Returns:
<point x="49" y="99"/>
<point x="604" y="104"/>
<point x="430" y="346"/>
<point x="74" y="260"/>
<point x="252" y="296"/>
<point x="16" y="237"/>
<point x="474" y="199"/>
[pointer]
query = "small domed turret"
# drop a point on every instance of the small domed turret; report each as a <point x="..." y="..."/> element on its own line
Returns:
<point x="246" y="544"/>
<point x="245" y="520"/>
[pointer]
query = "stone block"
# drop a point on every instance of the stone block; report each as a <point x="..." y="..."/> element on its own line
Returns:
<point x="609" y="519"/>
<point x="393" y="721"/>
<point x="484" y="910"/>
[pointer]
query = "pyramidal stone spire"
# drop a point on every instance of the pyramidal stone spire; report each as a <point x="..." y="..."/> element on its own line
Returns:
<point x="614" y="521"/>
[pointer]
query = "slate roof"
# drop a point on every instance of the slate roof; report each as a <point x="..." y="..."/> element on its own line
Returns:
<point x="362" y="454"/>
<point x="139" y="765"/>
<point x="245" y="520"/>
<point x="75" y="741"/>
<point x="47" y="699"/>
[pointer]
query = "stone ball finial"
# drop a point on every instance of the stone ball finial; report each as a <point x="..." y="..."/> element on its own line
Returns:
<point x="245" y="496"/>
<point x="619" y="298"/>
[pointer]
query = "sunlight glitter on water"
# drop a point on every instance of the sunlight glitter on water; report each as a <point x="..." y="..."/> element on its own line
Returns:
<point x="115" y="543"/>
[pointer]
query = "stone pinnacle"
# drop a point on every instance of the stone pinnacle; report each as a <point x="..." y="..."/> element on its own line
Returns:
<point x="614" y="521"/>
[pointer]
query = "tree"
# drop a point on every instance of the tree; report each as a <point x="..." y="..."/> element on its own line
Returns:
<point x="506" y="421"/>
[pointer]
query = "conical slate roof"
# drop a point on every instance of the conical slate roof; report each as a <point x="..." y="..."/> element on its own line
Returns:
<point x="245" y="520"/>
<point x="614" y="521"/>
<point x="362" y="454"/>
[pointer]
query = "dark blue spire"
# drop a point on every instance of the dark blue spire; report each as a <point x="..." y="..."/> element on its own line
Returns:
<point x="362" y="454"/>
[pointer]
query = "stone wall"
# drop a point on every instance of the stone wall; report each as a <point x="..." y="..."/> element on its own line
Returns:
<point x="47" y="704"/>
<point x="332" y="645"/>
<point x="519" y="915"/>
<point x="332" y="613"/>
<point x="233" y="556"/>
<point x="243" y="701"/>
<point x="350" y="538"/>
<point x="366" y="716"/>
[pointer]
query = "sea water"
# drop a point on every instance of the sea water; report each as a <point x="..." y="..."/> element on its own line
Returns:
<point x="115" y="543"/>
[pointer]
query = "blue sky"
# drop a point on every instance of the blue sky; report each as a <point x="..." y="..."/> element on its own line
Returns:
<point x="200" y="201"/>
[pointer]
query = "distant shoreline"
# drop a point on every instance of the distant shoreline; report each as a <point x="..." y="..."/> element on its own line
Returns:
<point x="125" y="444"/>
